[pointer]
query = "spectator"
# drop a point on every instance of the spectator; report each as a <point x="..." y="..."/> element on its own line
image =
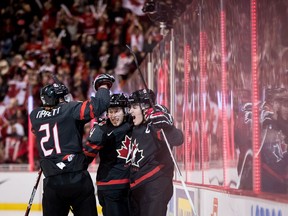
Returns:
<point x="116" y="11"/>
<point x="137" y="38"/>
<point x="3" y="88"/>
<point x="6" y="46"/>
<point x="47" y="64"/>
<point x="14" y="137"/>
<point x="35" y="28"/>
<point x="152" y="37"/>
<point x="105" y="58"/>
<point x="88" y="21"/>
<point x="123" y="67"/>
<point x="103" y="29"/>
<point x="90" y="48"/>
<point x="73" y="29"/>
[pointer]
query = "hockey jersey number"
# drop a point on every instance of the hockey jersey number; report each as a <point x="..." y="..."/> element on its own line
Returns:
<point x="45" y="139"/>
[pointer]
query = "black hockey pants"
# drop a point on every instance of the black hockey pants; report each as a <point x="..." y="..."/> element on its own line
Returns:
<point x="114" y="202"/>
<point x="152" y="198"/>
<point x="69" y="191"/>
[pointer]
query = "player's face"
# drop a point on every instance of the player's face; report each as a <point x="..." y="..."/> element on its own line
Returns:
<point x="116" y="115"/>
<point x="136" y="113"/>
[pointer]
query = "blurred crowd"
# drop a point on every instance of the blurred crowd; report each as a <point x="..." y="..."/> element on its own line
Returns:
<point x="73" y="39"/>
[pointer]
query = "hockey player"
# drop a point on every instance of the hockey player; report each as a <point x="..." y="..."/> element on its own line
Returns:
<point x="111" y="138"/>
<point x="58" y="127"/>
<point x="151" y="171"/>
<point x="274" y="155"/>
<point x="273" y="114"/>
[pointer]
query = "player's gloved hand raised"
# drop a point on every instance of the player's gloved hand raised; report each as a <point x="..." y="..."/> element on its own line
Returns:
<point x="159" y="117"/>
<point x="103" y="79"/>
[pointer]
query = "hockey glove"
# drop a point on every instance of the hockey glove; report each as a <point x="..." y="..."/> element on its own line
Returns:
<point x="60" y="89"/>
<point x="103" y="79"/>
<point x="160" y="117"/>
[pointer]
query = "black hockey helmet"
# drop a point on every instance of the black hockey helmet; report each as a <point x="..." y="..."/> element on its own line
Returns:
<point x="51" y="93"/>
<point x="142" y="96"/>
<point x="118" y="100"/>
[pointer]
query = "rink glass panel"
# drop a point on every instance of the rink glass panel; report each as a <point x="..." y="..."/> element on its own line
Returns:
<point x="216" y="96"/>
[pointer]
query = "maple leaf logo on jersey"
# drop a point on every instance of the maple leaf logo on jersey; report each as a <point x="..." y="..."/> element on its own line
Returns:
<point x="124" y="151"/>
<point x="137" y="155"/>
<point x="280" y="148"/>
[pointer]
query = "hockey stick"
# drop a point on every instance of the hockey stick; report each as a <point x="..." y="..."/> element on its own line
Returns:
<point x="141" y="75"/>
<point x="163" y="133"/>
<point x="54" y="77"/>
<point x="33" y="193"/>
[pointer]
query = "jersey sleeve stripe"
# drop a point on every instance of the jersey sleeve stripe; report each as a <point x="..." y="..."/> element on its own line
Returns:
<point x="89" y="154"/>
<point x="82" y="111"/>
<point x="146" y="176"/>
<point x="91" y="111"/>
<point x="112" y="182"/>
<point x="95" y="147"/>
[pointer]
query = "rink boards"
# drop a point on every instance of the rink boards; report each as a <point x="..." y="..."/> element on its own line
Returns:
<point x="16" y="188"/>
